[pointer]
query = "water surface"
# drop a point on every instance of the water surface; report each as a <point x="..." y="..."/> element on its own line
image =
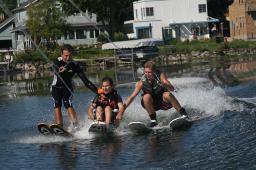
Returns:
<point x="221" y="101"/>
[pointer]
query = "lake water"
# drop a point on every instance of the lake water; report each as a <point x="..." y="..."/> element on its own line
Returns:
<point x="220" y="98"/>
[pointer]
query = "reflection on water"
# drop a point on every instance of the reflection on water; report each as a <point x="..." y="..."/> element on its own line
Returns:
<point x="221" y="74"/>
<point x="232" y="74"/>
<point x="66" y="154"/>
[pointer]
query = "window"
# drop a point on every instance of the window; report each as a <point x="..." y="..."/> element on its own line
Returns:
<point x="92" y="34"/>
<point x="149" y="11"/>
<point x="69" y="35"/>
<point x="136" y="14"/>
<point x="80" y="34"/>
<point x="202" y="8"/>
<point x="144" y="33"/>
<point x="96" y="33"/>
<point x="90" y="15"/>
<point x="167" y="33"/>
<point x="141" y="10"/>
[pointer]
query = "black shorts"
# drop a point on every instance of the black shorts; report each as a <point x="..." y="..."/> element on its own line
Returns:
<point x="61" y="94"/>
<point x="158" y="103"/>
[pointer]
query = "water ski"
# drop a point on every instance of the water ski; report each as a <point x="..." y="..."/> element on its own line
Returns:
<point x="53" y="129"/>
<point x="181" y="122"/>
<point x="44" y="129"/>
<point x="100" y="127"/>
<point x="58" y="130"/>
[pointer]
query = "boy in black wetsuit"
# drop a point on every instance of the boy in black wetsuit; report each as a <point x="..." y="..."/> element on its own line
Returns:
<point x="64" y="69"/>
<point x="107" y="106"/>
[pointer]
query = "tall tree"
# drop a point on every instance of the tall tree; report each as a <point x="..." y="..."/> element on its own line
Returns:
<point x="9" y="4"/>
<point x="218" y="8"/>
<point x="45" y="21"/>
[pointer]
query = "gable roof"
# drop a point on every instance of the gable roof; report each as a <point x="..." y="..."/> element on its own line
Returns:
<point x="24" y="5"/>
<point x="6" y="22"/>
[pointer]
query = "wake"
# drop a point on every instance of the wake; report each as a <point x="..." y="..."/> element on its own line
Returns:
<point x="197" y="95"/>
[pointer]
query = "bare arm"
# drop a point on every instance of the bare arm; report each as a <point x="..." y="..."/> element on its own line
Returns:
<point x="120" y="113"/>
<point x="166" y="82"/>
<point x="136" y="91"/>
<point x="90" y="112"/>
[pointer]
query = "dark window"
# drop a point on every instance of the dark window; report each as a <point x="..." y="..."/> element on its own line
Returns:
<point x="69" y="35"/>
<point x="92" y="34"/>
<point x="80" y="34"/>
<point x="202" y="8"/>
<point x="96" y="33"/>
<point x="144" y="33"/>
<point x="150" y="11"/>
<point x="167" y="33"/>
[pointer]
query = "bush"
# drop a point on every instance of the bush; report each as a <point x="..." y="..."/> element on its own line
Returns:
<point x="119" y="36"/>
<point x="103" y="37"/>
<point x="35" y="56"/>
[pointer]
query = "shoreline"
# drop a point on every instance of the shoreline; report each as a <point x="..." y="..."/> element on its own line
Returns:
<point x="170" y="58"/>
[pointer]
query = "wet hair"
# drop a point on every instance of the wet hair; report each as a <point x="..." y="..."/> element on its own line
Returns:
<point x="104" y="79"/>
<point x="67" y="47"/>
<point x="150" y="64"/>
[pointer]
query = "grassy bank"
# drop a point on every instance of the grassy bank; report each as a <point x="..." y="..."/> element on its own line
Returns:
<point x="173" y="46"/>
<point x="205" y="45"/>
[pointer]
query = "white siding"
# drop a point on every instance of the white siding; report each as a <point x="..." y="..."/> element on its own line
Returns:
<point x="167" y="12"/>
<point x="173" y="11"/>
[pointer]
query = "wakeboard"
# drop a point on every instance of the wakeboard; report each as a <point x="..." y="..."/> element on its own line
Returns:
<point x="180" y="123"/>
<point x="139" y="127"/>
<point x="100" y="128"/>
<point x="53" y="129"/>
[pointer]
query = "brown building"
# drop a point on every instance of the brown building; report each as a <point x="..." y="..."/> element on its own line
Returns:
<point x="242" y="17"/>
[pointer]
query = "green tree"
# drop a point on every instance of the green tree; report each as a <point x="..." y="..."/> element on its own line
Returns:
<point x="119" y="36"/>
<point x="7" y="5"/>
<point x="218" y="8"/>
<point x="103" y="37"/>
<point x="45" y="21"/>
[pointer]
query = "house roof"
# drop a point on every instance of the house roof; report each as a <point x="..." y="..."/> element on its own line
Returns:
<point x="19" y="28"/>
<point x="209" y="19"/>
<point x="24" y="5"/>
<point x="7" y="21"/>
<point x="132" y="43"/>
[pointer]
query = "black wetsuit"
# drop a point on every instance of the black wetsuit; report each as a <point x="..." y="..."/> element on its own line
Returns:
<point x="62" y="85"/>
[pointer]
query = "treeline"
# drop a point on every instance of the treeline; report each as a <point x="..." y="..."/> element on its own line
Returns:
<point x="45" y="20"/>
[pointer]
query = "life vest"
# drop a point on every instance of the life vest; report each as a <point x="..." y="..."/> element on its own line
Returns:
<point x="155" y="88"/>
<point x="110" y="99"/>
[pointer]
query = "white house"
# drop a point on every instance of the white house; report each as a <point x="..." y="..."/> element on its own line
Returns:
<point x="5" y="35"/>
<point x="167" y="19"/>
<point x="83" y="28"/>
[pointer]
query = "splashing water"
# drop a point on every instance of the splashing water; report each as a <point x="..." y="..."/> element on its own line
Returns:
<point x="193" y="93"/>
